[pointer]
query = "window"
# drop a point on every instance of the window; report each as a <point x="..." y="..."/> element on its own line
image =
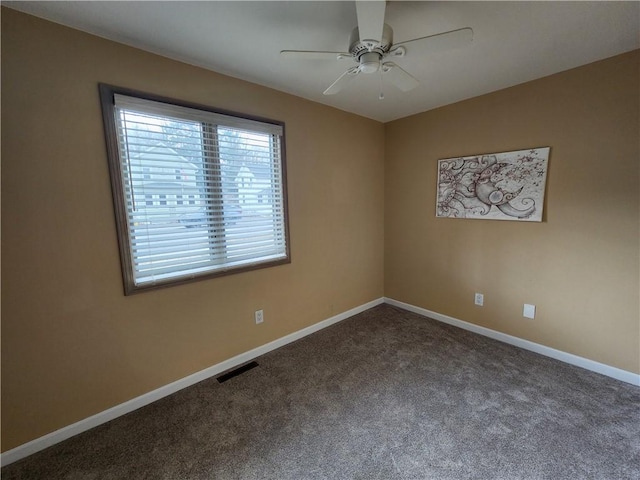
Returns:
<point x="194" y="152"/>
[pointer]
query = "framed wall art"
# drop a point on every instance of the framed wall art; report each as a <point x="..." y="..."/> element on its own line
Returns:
<point x="496" y="186"/>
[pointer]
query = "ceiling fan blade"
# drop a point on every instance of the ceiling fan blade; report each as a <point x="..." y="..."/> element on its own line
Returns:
<point x="314" y="55"/>
<point x="370" y="19"/>
<point x="342" y="81"/>
<point x="399" y="77"/>
<point x="438" y="42"/>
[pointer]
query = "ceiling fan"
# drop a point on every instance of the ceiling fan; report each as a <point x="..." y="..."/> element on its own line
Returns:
<point x="371" y="47"/>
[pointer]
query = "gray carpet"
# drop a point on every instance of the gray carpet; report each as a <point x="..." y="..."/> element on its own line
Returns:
<point x="386" y="394"/>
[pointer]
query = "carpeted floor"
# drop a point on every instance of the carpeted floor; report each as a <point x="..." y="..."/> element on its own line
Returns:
<point x="386" y="394"/>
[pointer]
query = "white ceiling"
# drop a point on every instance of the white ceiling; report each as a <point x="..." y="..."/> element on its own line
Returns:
<point x="514" y="42"/>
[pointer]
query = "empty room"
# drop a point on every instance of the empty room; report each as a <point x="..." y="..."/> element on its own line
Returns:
<point x="320" y="240"/>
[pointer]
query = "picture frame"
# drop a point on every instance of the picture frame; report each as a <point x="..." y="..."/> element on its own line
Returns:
<point x="495" y="186"/>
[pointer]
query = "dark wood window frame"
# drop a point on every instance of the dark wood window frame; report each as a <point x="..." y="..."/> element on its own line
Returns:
<point x="123" y="212"/>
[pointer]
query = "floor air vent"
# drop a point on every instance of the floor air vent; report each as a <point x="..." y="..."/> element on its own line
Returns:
<point x="238" y="371"/>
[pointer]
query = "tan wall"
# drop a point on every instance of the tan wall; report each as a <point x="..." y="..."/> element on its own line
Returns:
<point x="72" y="344"/>
<point x="580" y="265"/>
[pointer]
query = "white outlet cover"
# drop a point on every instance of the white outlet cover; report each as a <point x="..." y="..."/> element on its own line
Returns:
<point x="529" y="311"/>
<point x="479" y="299"/>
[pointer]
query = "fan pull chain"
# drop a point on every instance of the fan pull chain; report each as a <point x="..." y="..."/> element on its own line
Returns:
<point x="381" y="96"/>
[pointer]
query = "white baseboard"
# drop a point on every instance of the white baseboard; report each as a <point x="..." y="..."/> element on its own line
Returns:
<point x="64" y="433"/>
<point x="613" y="372"/>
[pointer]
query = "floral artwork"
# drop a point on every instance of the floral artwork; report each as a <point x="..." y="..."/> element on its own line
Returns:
<point x="498" y="186"/>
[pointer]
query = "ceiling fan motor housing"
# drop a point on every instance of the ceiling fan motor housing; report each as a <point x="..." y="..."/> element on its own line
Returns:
<point x="368" y="53"/>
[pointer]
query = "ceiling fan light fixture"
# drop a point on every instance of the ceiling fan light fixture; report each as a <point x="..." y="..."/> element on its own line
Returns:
<point x="370" y="62"/>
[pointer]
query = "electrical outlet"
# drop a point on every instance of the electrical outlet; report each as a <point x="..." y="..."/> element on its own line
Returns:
<point x="259" y="316"/>
<point x="529" y="311"/>
<point x="479" y="299"/>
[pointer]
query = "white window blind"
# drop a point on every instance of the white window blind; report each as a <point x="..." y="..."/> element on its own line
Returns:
<point x="203" y="193"/>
